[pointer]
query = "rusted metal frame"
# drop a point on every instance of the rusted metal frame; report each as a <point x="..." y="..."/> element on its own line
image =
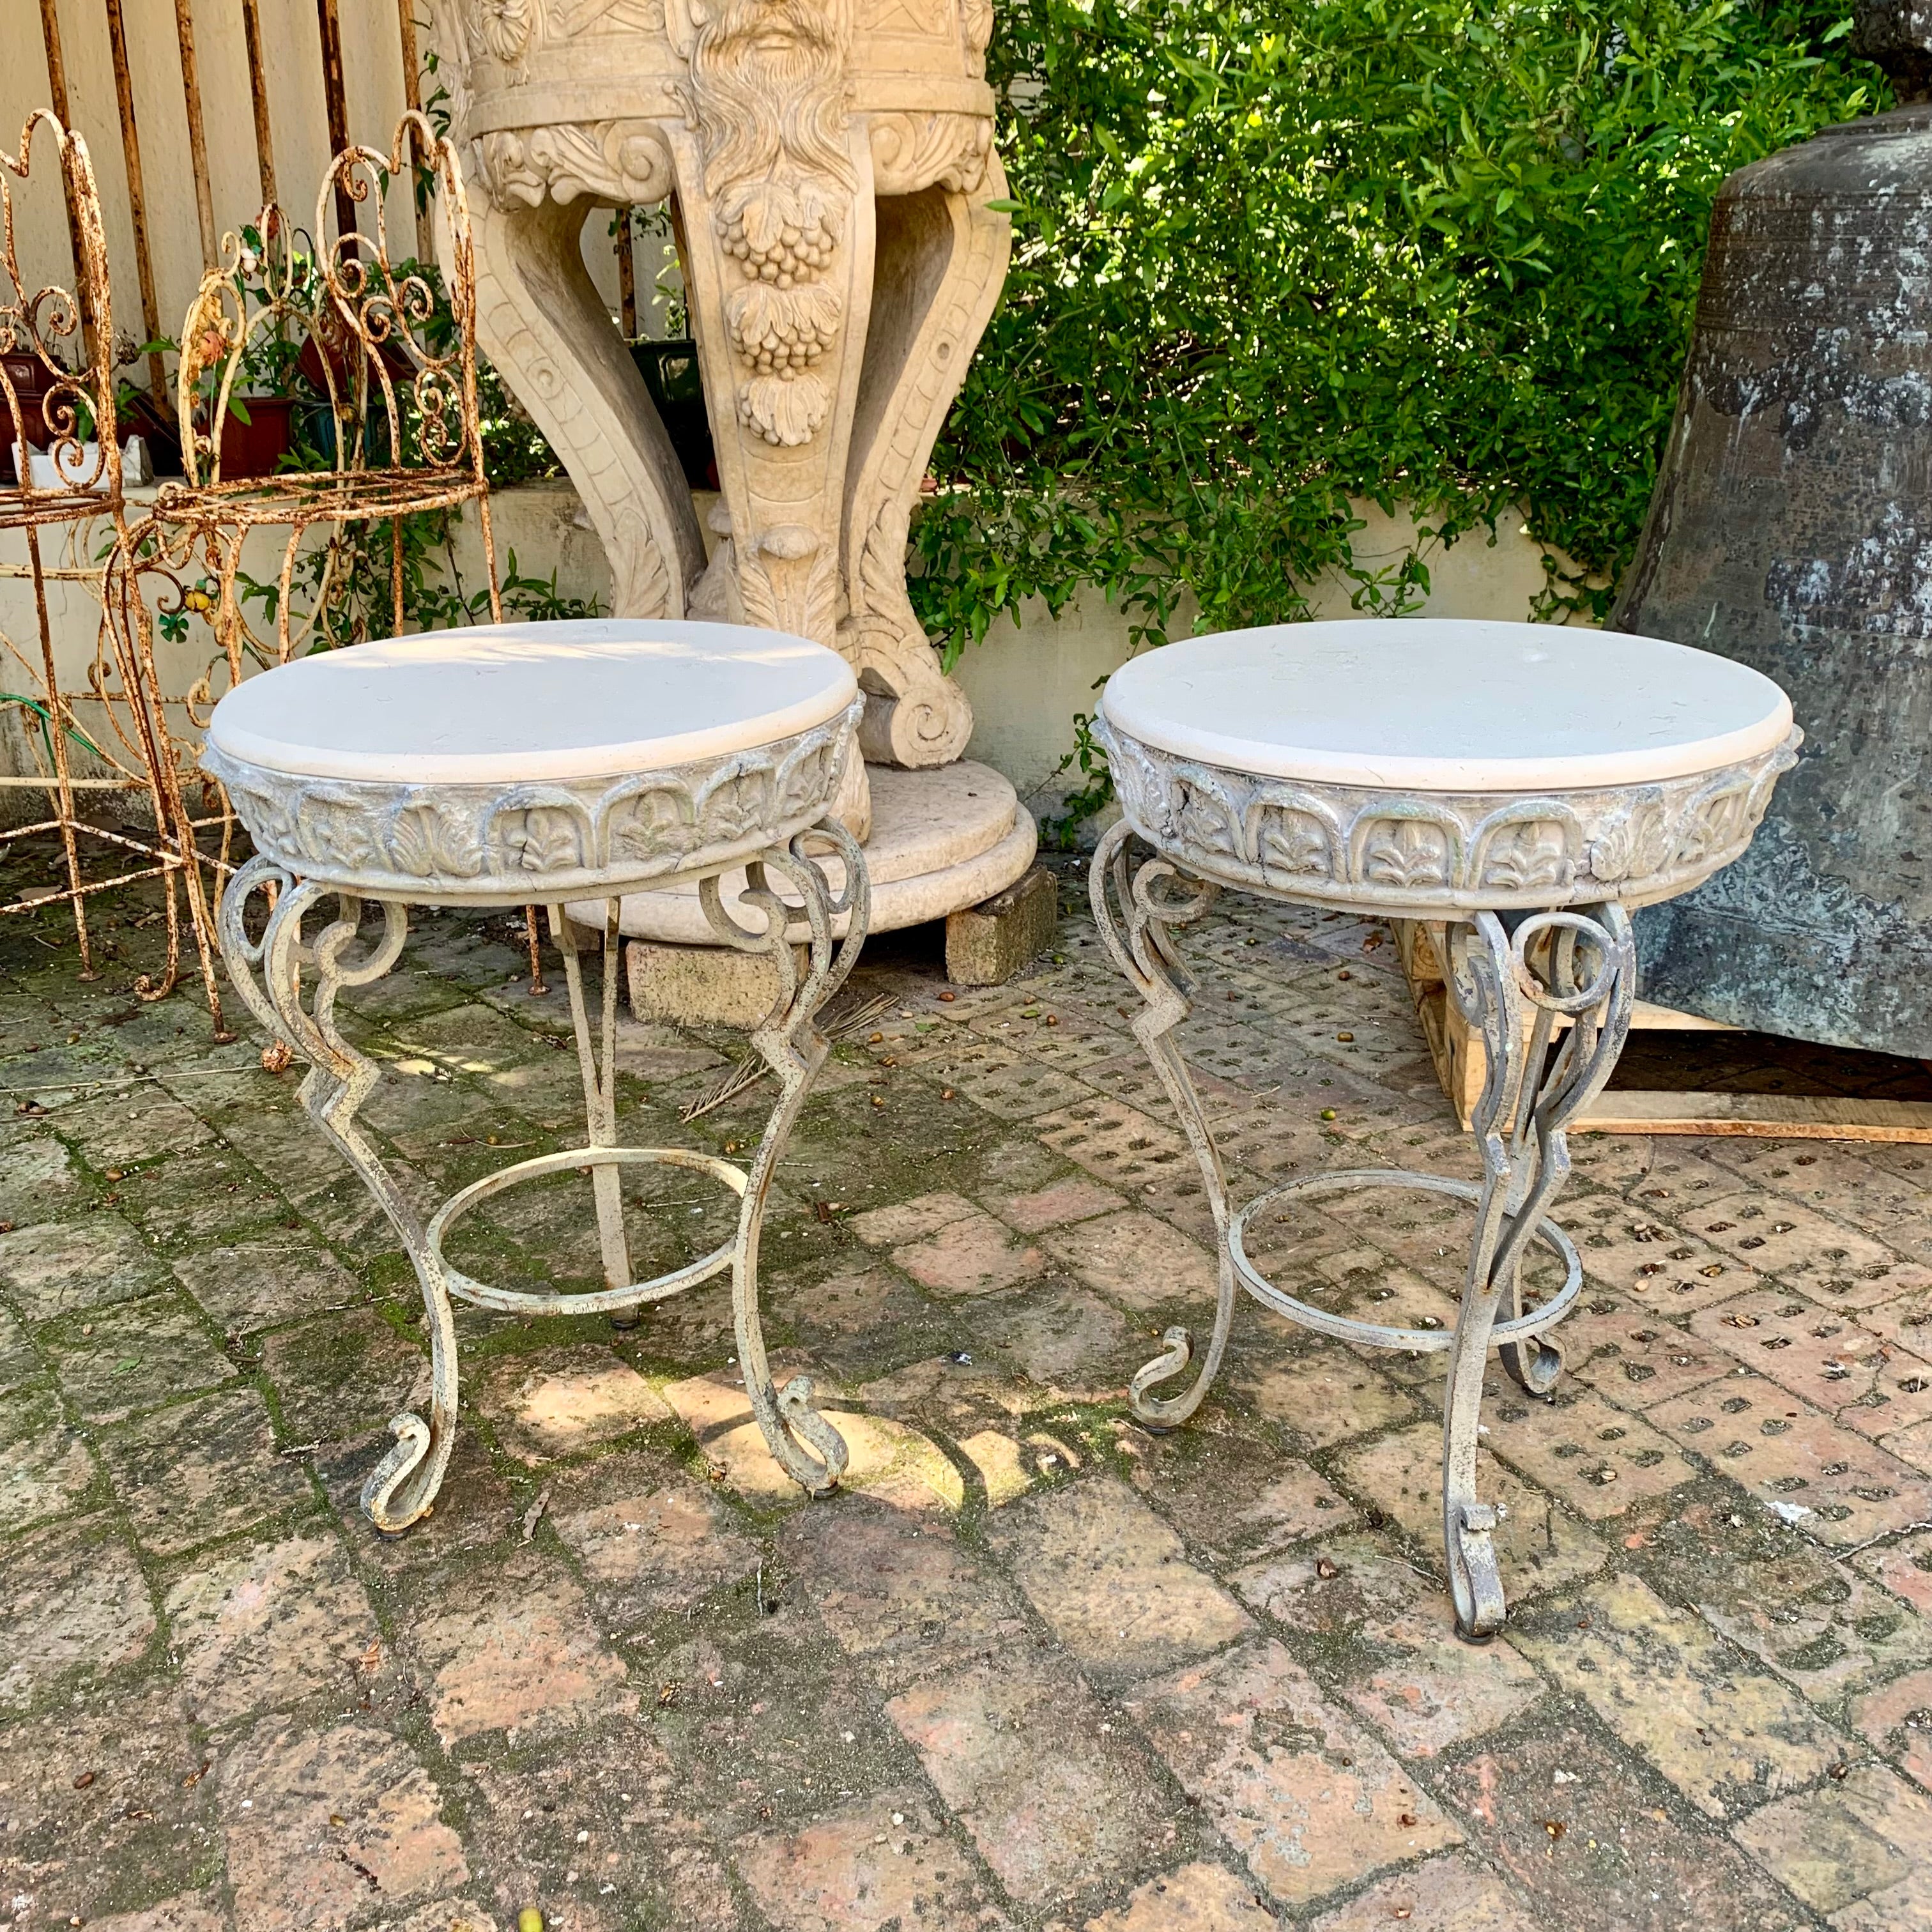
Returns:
<point x="125" y="699"/>
<point x="627" y="277"/>
<point x="39" y="321"/>
<point x="258" y="96"/>
<point x="362" y="314"/>
<point x="197" y="133"/>
<point x="291" y="985"/>
<point x="336" y="105"/>
<point x="460" y="288"/>
<point x="88" y="887"/>
<point x="37" y="781"/>
<point x="157" y="547"/>
<point x="537" y="988"/>
<point x="133" y="703"/>
<point x="50" y="39"/>
<point x="137" y="201"/>
<point x="129" y="620"/>
<point x="62" y="791"/>
<point x="419" y="189"/>
<point x="63" y="784"/>
<point x="377" y="315"/>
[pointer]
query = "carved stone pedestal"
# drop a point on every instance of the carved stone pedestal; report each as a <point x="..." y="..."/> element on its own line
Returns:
<point x="828" y="169"/>
<point x="828" y="166"/>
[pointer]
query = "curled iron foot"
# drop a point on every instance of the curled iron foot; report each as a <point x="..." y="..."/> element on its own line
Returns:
<point x="406" y="1457"/>
<point x="1533" y="1364"/>
<point x="1162" y="1413"/>
<point x="806" y="1426"/>
<point x="1474" y="1578"/>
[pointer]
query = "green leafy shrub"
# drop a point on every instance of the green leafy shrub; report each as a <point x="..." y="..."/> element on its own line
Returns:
<point x="1272" y="255"/>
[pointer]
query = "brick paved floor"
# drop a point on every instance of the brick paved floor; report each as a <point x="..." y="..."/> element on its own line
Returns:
<point x="1036" y="1667"/>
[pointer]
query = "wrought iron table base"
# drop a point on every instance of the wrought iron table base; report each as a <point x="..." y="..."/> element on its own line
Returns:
<point x="1513" y="977"/>
<point x="271" y="973"/>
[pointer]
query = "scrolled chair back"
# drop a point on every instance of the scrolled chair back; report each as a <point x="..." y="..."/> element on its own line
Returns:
<point x="57" y="352"/>
<point x="393" y="313"/>
<point x="379" y="353"/>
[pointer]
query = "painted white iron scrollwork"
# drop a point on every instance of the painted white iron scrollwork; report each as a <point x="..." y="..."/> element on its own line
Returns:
<point x="1517" y="979"/>
<point x="291" y="984"/>
<point x="402" y="1487"/>
<point x="1135" y="910"/>
<point x="790" y="1041"/>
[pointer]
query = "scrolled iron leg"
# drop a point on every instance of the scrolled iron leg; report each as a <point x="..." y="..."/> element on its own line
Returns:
<point x="1514" y="985"/>
<point x="805" y="1445"/>
<point x="1475" y="1581"/>
<point x="402" y="1488"/>
<point x="1135" y="907"/>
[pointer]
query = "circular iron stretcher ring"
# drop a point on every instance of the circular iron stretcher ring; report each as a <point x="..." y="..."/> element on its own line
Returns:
<point x="1375" y="1334"/>
<point x="606" y="1300"/>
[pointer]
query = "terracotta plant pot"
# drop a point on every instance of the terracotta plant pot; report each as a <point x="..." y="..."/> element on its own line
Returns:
<point x="30" y="382"/>
<point x="256" y="447"/>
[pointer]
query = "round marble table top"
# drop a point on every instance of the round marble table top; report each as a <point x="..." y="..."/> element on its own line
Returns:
<point x="510" y="704"/>
<point x="1430" y="705"/>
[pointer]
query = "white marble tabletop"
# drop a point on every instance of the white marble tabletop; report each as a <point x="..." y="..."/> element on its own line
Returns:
<point x="1434" y="705"/>
<point x="533" y="702"/>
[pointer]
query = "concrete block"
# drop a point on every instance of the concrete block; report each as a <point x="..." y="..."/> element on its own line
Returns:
<point x="988" y="943"/>
<point x="702" y="986"/>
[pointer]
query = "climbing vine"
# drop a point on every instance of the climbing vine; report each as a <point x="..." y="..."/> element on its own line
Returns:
<point x="1271" y="258"/>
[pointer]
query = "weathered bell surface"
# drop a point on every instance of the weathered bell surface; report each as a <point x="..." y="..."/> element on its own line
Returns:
<point x="1791" y="528"/>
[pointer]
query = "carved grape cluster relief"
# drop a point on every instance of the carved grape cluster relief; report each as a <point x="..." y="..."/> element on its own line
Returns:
<point x="769" y="89"/>
<point x="482" y="842"/>
<point x="1424" y="853"/>
<point x="783" y="233"/>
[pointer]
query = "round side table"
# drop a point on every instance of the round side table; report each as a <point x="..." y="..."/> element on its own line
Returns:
<point x="1523" y="785"/>
<point x="539" y="764"/>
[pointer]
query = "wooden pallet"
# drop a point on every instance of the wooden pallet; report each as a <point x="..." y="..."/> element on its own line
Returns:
<point x="1461" y="1065"/>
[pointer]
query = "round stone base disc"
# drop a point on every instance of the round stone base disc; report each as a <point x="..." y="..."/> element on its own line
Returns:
<point x="942" y="840"/>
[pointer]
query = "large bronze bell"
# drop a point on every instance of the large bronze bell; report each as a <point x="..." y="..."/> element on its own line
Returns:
<point x="1791" y="528"/>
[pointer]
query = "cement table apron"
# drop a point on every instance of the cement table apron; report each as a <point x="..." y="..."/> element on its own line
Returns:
<point x="542" y="763"/>
<point x="1524" y="784"/>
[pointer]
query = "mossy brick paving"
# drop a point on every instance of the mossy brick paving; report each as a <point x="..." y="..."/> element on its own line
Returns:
<point x="624" y="1676"/>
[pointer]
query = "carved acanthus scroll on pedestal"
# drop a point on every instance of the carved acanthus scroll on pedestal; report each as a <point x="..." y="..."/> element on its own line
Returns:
<point x="828" y="166"/>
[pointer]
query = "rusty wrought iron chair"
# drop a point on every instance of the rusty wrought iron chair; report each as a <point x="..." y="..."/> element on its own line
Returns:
<point x="378" y="382"/>
<point x="83" y="744"/>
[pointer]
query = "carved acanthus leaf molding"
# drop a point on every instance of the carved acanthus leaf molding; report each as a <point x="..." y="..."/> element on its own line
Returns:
<point x="625" y="162"/>
<point x="505" y="28"/>
<point x="484" y="842"/>
<point x="976" y="32"/>
<point x="1427" y="854"/>
<point x="910" y="151"/>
